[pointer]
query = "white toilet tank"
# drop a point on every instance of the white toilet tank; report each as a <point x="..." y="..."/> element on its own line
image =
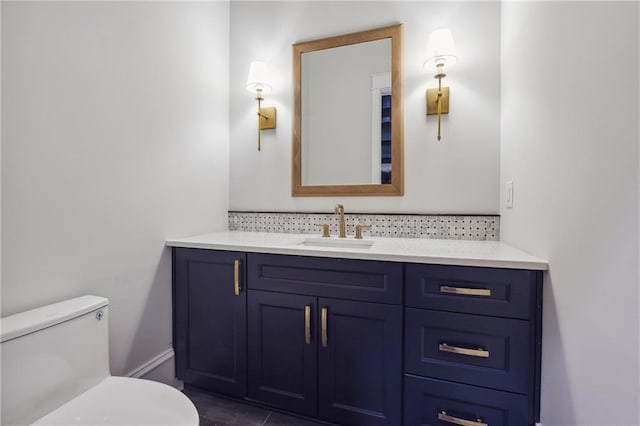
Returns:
<point x="52" y="354"/>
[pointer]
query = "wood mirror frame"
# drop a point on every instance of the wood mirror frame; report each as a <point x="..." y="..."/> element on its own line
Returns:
<point x="396" y="187"/>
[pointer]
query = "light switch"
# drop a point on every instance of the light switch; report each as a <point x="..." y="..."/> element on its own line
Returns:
<point x="509" y="195"/>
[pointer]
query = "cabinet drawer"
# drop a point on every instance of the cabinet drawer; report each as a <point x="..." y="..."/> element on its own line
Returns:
<point x="483" y="351"/>
<point x="473" y="290"/>
<point x="326" y="277"/>
<point x="431" y="402"/>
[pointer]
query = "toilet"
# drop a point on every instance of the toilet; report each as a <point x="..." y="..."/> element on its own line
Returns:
<point x="55" y="371"/>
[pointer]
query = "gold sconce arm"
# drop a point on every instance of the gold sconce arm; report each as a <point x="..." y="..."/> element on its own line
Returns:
<point x="266" y="117"/>
<point x="438" y="99"/>
<point x="439" y="76"/>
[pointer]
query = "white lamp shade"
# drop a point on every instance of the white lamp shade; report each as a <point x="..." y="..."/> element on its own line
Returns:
<point x="440" y="48"/>
<point x="258" y="77"/>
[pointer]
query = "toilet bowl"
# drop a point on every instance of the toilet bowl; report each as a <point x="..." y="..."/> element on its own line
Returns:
<point x="55" y="371"/>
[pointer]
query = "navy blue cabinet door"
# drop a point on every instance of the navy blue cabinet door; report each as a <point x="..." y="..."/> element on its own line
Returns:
<point x="283" y="350"/>
<point x="360" y="363"/>
<point x="210" y="320"/>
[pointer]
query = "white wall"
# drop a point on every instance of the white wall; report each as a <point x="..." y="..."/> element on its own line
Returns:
<point x="570" y="145"/>
<point x="460" y="174"/>
<point x="115" y="137"/>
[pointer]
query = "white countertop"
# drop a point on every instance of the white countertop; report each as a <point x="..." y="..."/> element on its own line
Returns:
<point x="415" y="250"/>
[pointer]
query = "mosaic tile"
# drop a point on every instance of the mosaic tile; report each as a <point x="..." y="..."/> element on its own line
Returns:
<point x="453" y="227"/>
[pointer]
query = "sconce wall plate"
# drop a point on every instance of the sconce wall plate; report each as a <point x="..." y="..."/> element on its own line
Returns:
<point x="267" y="118"/>
<point x="432" y="101"/>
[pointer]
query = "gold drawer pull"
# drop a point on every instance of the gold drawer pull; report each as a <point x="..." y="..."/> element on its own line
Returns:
<point x="307" y="324"/>
<point x="442" y="415"/>
<point x="465" y="291"/>
<point x="481" y="353"/>
<point x="236" y="277"/>
<point x="324" y="327"/>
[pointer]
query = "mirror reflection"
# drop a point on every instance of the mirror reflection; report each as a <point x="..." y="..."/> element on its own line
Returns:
<point x="346" y="114"/>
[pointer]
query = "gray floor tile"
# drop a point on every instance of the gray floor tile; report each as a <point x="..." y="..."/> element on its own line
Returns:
<point x="277" y="419"/>
<point x="216" y="411"/>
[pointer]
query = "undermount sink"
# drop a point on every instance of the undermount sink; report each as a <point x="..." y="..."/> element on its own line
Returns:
<point x="336" y="242"/>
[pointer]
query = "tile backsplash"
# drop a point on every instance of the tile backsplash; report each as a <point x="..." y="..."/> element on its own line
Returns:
<point x="451" y="227"/>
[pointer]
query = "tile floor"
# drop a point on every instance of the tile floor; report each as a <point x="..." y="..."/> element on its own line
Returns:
<point x="217" y="411"/>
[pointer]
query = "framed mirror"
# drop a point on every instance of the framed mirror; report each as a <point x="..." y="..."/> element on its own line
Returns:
<point x="348" y="123"/>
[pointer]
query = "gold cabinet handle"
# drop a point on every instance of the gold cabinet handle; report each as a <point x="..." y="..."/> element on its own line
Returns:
<point x="480" y="353"/>
<point x="236" y="277"/>
<point x="442" y="415"/>
<point x="324" y="327"/>
<point x="465" y="291"/>
<point x="307" y="325"/>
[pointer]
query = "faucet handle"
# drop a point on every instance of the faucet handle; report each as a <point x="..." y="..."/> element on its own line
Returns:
<point x="325" y="229"/>
<point x="359" y="229"/>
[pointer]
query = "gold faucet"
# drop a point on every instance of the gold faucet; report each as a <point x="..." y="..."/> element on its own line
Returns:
<point x="359" y="229"/>
<point x="339" y="210"/>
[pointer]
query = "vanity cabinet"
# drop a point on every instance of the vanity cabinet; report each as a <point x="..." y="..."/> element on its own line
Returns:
<point x="210" y="321"/>
<point x="336" y="359"/>
<point x="361" y="342"/>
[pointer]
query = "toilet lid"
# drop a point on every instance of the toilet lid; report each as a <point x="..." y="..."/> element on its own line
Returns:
<point x="126" y="401"/>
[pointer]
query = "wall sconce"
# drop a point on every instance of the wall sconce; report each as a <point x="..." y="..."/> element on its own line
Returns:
<point x="441" y="50"/>
<point x="258" y="82"/>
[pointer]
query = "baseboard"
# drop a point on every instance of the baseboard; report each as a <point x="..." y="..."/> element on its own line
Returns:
<point x="152" y="364"/>
<point x="159" y="368"/>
